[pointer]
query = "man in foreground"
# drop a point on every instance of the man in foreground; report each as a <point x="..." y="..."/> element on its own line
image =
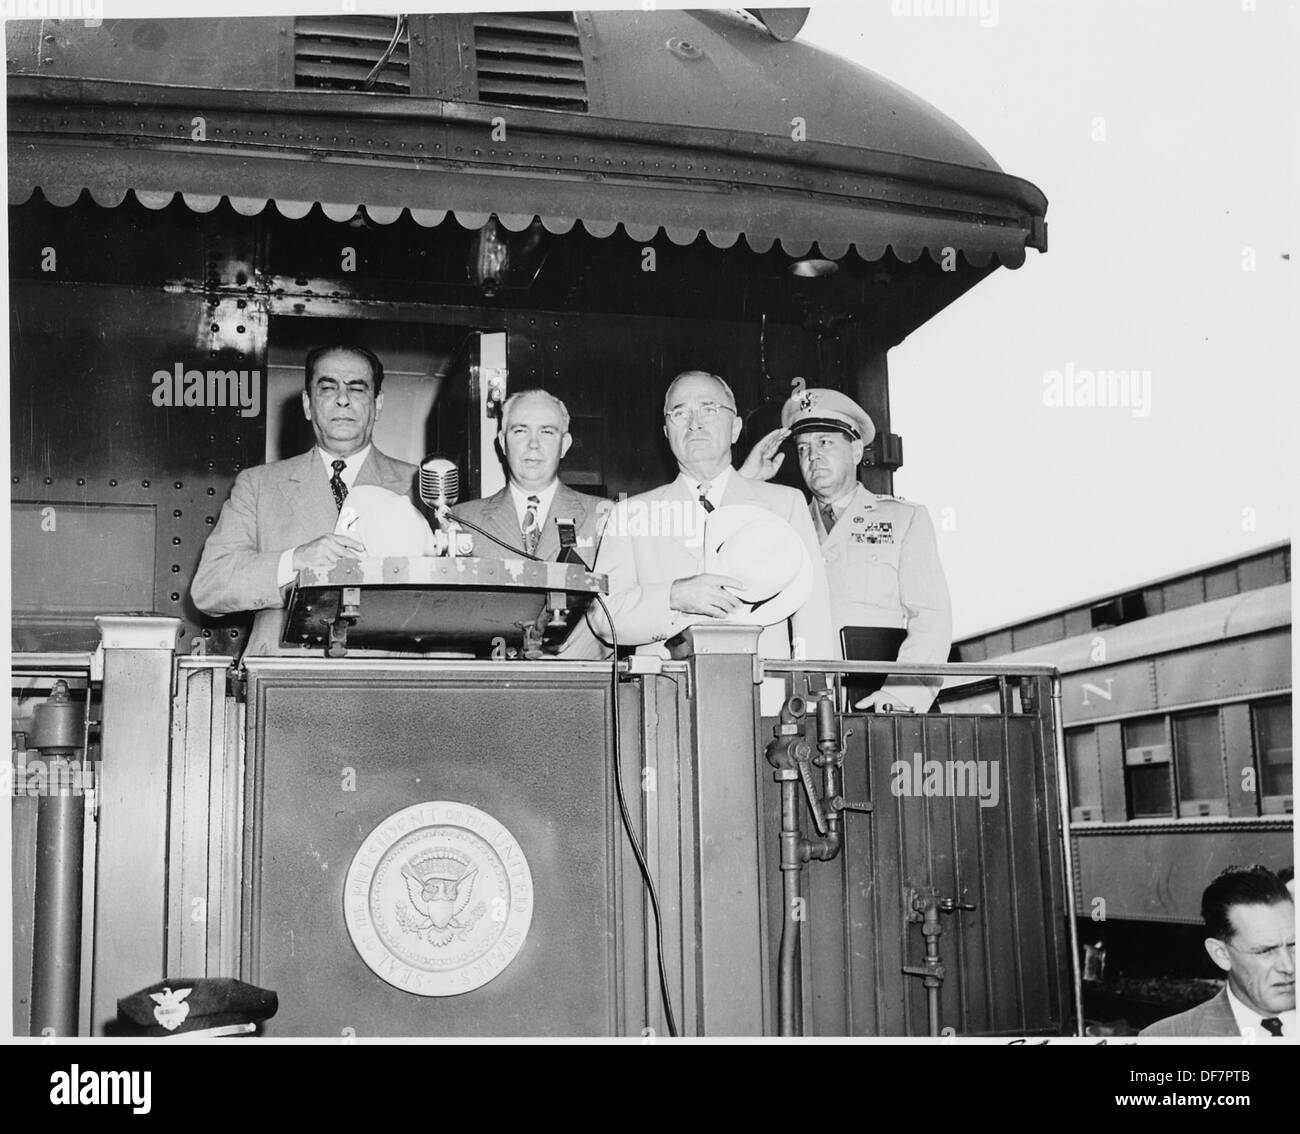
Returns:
<point x="1250" y="935"/>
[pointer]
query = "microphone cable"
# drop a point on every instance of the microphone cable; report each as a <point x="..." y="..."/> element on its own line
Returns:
<point x="670" y="1020"/>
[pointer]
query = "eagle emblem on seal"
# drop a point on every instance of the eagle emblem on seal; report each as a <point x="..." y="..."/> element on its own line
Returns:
<point x="440" y="887"/>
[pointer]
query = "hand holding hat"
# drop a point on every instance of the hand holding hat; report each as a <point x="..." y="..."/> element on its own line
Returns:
<point x="765" y="556"/>
<point x="385" y="523"/>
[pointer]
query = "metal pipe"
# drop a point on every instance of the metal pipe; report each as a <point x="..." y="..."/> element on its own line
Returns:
<point x="787" y="995"/>
<point x="774" y="666"/>
<point x="1063" y="796"/>
<point x="58" y="733"/>
<point x="56" y="930"/>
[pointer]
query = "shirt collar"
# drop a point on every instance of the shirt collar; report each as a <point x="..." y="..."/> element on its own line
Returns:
<point x="717" y="485"/>
<point x="352" y="466"/>
<point x="844" y="503"/>
<point x="1248" y="1018"/>
<point x="545" y="496"/>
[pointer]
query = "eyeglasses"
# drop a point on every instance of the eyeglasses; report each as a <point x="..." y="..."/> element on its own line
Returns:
<point x="707" y="413"/>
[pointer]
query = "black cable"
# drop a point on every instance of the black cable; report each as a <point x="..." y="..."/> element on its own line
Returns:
<point x="669" y="1019"/>
<point x="500" y="542"/>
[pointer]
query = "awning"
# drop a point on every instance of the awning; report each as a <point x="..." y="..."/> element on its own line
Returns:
<point x="392" y="154"/>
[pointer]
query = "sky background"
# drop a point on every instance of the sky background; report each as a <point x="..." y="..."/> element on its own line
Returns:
<point x="1144" y="271"/>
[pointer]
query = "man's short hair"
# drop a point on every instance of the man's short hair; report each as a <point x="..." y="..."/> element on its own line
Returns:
<point x="314" y="355"/>
<point x="535" y="393"/>
<point x="1238" y="886"/>
<point x="700" y="374"/>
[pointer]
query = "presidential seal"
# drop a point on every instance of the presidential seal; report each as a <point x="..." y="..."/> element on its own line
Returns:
<point x="438" y="899"/>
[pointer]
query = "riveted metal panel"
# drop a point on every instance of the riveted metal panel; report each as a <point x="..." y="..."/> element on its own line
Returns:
<point x="1241" y="667"/>
<point x="86" y="431"/>
<point x="1159" y="871"/>
<point x="1107" y="692"/>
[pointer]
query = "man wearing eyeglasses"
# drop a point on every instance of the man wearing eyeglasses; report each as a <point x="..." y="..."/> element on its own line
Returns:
<point x="653" y="546"/>
<point x="1250" y="935"/>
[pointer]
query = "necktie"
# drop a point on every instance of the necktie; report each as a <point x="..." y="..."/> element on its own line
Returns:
<point x="1272" y="1025"/>
<point x="337" y="486"/>
<point x="532" y="534"/>
<point x="704" y="497"/>
<point x="828" y="517"/>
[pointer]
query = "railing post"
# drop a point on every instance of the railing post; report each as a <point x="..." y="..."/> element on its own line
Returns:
<point x="131" y="876"/>
<point x="730" y="950"/>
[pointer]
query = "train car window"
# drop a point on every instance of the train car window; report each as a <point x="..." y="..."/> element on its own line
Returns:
<point x="1198" y="756"/>
<point x="1084" y="763"/>
<point x="1272" y="721"/>
<point x="1148" y="768"/>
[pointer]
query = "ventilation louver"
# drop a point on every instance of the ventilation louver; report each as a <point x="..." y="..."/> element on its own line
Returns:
<point x="530" y="59"/>
<point x="339" y="53"/>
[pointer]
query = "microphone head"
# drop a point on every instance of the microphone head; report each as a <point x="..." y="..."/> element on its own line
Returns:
<point x="439" y="482"/>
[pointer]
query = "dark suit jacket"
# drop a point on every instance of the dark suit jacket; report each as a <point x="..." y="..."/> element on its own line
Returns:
<point x="272" y="508"/>
<point x="1213" y="1018"/>
<point x="496" y="514"/>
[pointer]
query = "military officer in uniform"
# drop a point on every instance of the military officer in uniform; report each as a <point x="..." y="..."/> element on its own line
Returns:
<point x="882" y="562"/>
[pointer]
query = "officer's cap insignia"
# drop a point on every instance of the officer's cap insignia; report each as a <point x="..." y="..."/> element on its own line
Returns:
<point x="171" y="1008"/>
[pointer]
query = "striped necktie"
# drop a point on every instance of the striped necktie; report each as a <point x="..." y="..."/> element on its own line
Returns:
<point x="704" y="497"/>
<point x="532" y="533"/>
<point x="337" y="486"/>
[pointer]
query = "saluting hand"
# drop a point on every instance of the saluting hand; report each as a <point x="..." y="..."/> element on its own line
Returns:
<point x="704" y="594"/>
<point x="321" y="554"/>
<point x="765" y="459"/>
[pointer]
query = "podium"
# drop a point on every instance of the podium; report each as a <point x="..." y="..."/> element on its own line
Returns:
<point x="425" y="604"/>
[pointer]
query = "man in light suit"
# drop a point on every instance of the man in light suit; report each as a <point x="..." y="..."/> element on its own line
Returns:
<point x="526" y="514"/>
<point x="653" y="546"/>
<point x="280" y="517"/>
<point x="1250" y="934"/>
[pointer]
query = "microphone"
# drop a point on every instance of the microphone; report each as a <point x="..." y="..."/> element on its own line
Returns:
<point x="439" y="490"/>
<point x="439" y="483"/>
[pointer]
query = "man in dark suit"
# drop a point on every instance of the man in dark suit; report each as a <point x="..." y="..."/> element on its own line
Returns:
<point x="525" y="515"/>
<point x="1250" y="934"/>
<point x="280" y="517"/>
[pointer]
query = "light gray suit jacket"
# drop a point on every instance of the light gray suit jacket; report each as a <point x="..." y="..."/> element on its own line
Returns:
<point x="1213" y="1018"/>
<point x="271" y="509"/>
<point x="655" y="538"/>
<point x="496" y="514"/>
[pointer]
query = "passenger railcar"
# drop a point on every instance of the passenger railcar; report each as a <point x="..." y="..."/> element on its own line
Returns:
<point x="589" y="202"/>
<point x="1177" y="722"/>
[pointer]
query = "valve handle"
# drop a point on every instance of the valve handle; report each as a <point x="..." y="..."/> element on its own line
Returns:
<point x="802" y="761"/>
